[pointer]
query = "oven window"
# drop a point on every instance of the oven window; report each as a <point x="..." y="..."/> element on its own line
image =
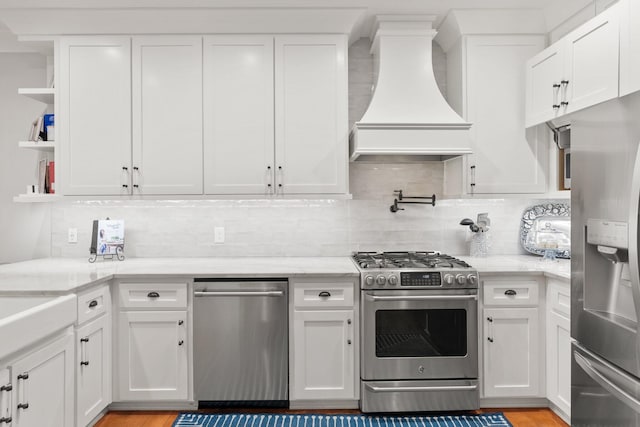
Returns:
<point x="421" y="333"/>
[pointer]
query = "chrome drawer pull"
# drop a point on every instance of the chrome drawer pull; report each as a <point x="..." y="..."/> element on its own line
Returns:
<point x="153" y="295"/>
<point x="510" y="292"/>
<point x="324" y="294"/>
<point x="93" y="304"/>
<point x="426" y="388"/>
<point x="238" y="293"/>
<point x="421" y="297"/>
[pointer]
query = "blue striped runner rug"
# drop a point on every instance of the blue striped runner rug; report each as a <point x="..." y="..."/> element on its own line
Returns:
<point x="305" y="420"/>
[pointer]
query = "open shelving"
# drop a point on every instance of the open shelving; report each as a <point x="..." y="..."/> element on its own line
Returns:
<point x="40" y="145"/>
<point x="45" y="95"/>
<point x="36" y="198"/>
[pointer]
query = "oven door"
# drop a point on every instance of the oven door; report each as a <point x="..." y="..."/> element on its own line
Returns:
<point x="419" y="334"/>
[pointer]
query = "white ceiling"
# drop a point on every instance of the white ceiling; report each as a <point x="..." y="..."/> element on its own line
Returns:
<point x="39" y="17"/>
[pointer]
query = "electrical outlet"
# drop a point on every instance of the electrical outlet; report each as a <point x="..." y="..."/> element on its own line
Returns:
<point x="218" y="235"/>
<point x="73" y="235"/>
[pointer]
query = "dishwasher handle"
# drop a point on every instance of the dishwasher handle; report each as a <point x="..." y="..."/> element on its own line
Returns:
<point x="238" y="293"/>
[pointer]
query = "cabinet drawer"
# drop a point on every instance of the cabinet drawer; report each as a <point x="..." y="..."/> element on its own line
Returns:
<point x="323" y="295"/>
<point x="153" y="295"/>
<point x="510" y="293"/>
<point x="93" y="303"/>
<point x="559" y="297"/>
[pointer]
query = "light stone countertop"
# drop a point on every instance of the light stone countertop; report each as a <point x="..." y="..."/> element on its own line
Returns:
<point x="521" y="264"/>
<point x="63" y="275"/>
<point x="55" y="276"/>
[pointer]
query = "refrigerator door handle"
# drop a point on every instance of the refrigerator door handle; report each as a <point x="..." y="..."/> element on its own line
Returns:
<point x="596" y="371"/>
<point x="634" y="211"/>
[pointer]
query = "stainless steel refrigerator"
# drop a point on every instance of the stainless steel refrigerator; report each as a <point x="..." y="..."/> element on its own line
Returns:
<point x="605" y="282"/>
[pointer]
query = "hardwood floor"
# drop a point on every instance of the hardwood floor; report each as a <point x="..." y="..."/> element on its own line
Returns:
<point x="520" y="417"/>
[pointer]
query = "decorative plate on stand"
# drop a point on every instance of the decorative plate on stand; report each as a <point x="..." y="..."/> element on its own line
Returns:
<point x="547" y="227"/>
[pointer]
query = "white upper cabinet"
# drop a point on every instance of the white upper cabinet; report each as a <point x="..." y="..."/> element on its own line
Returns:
<point x="176" y="115"/>
<point x="311" y="114"/>
<point x="238" y="112"/>
<point x="578" y="71"/>
<point x="629" y="46"/>
<point x="94" y="123"/>
<point x="506" y="159"/>
<point x="591" y="67"/>
<point x="543" y="76"/>
<point x="503" y="159"/>
<point x="167" y="115"/>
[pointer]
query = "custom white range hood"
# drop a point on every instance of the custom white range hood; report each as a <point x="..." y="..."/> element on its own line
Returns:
<point x="407" y="115"/>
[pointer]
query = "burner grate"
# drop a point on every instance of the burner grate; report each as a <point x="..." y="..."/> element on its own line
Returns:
<point x="425" y="259"/>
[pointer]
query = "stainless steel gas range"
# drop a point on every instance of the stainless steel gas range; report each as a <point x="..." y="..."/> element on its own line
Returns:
<point x="419" y="329"/>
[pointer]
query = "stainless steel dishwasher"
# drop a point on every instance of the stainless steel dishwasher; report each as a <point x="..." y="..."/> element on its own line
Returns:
<point x="240" y="347"/>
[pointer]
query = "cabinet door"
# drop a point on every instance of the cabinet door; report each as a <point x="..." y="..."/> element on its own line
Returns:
<point x="95" y="116"/>
<point x="591" y="66"/>
<point x="543" y="76"/>
<point x="93" y="369"/>
<point x="505" y="158"/>
<point x="511" y="347"/>
<point x="559" y="361"/>
<point x="629" y="47"/>
<point x="238" y="111"/>
<point x="167" y="115"/>
<point x="311" y="114"/>
<point x="43" y="386"/>
<point x="324" y="355"/>
<point x="5" y="396"/>
<point x="152" y="355"/>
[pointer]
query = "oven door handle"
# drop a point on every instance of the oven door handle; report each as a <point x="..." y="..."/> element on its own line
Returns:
<point x="423" y="388"/>
<point x="420" y="297"/>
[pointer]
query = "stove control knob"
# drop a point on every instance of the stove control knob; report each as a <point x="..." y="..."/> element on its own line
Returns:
<point x="381" y="280"/>
<point x="368" y="280"/>
<point x="473" y="279"/>
<point x="393" y="280"/>
<point x="448" y="279"/>
<point x="461" y="279"/>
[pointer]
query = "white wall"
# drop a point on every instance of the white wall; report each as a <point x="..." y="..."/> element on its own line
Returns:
<point x="25" y="228"/>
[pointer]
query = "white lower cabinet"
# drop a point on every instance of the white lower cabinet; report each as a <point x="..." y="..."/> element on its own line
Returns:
<point x="42" y="386"/>
<point x="5" y="396"/>
<point x="511" y="364"/>
<point x="559" y="346"/>
<point x="512" y="343"/>
<point x="152" y="356"/>
<point x="323" y="343"/>
<point x="324" y="365"/>
<point x="93" y="369"/>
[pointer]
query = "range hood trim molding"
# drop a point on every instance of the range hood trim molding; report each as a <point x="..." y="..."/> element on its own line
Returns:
<point x="453" y="126"/>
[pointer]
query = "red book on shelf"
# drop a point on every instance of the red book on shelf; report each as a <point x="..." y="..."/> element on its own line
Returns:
<point x="52" y="176"/>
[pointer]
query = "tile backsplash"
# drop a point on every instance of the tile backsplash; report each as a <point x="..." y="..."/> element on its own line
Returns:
<point x="185" y="228"/>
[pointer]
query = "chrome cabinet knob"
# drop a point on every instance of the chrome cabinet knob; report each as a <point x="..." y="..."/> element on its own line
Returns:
<point x="381" y="280"/>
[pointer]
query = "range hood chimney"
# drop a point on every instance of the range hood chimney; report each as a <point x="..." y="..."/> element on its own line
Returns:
<point x="407" y="115"/>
